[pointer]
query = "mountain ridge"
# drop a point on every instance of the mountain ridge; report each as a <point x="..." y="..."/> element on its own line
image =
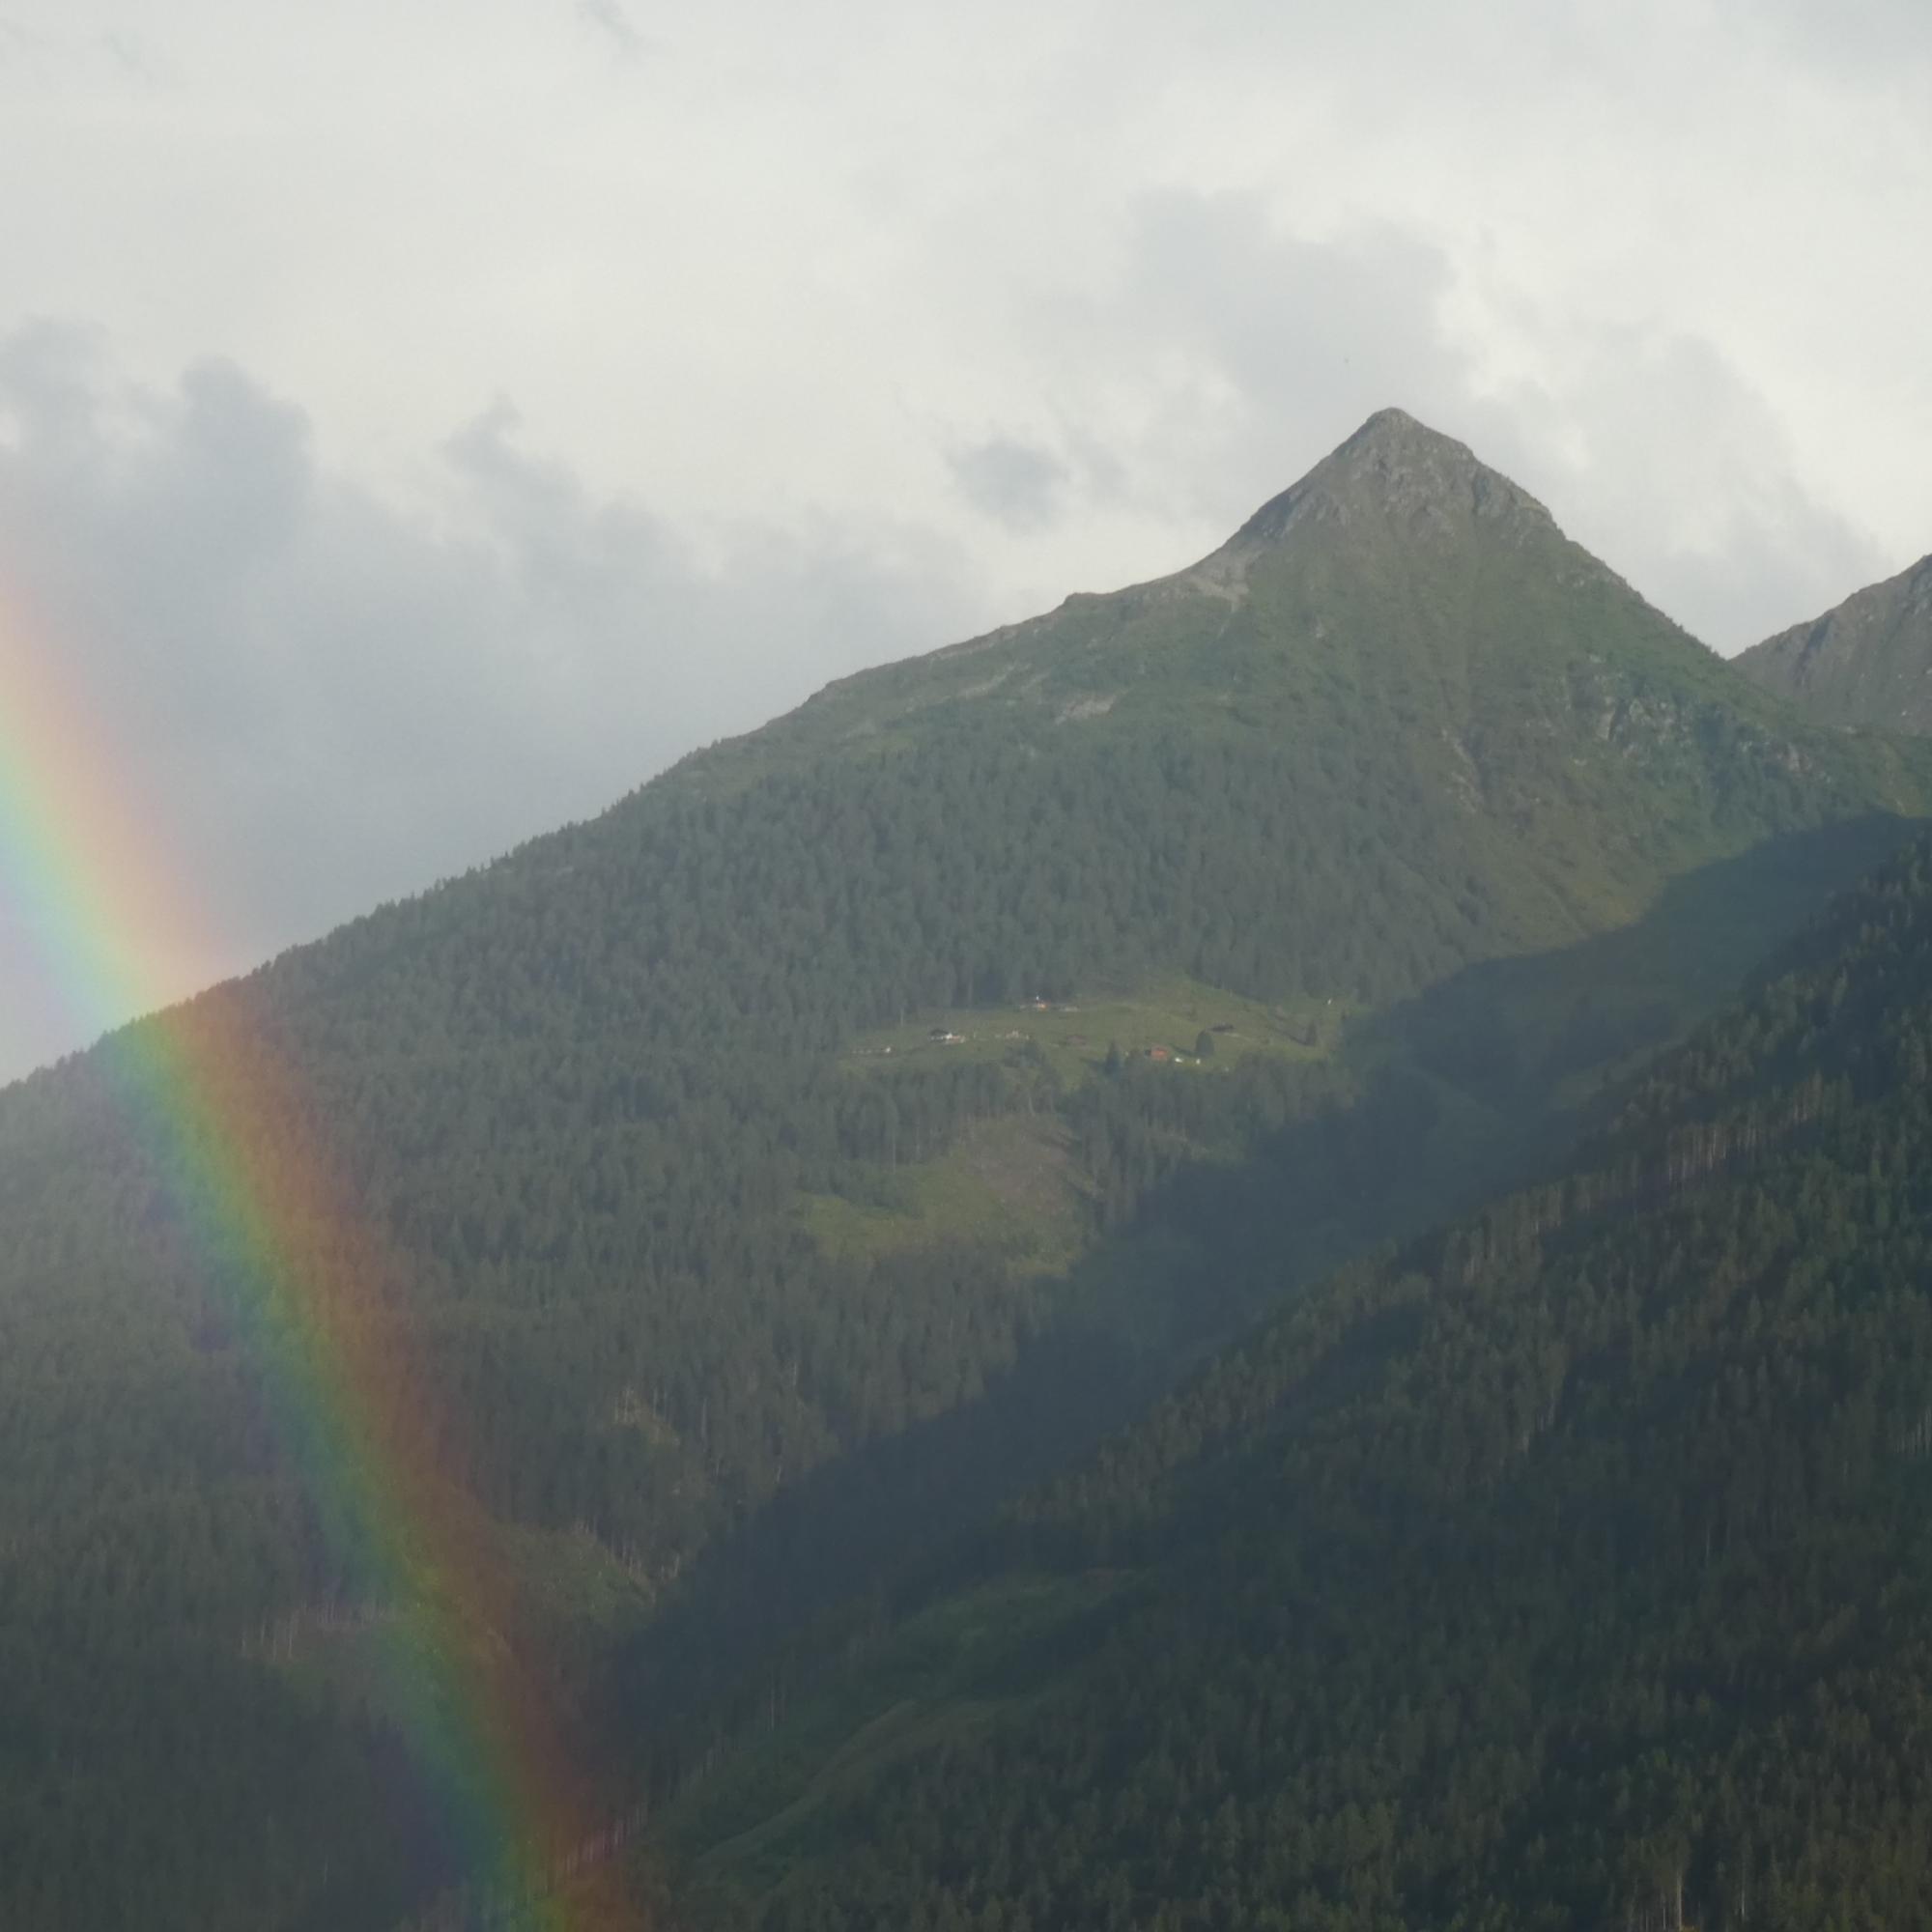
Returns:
<point x="1394" y="467"/>
<point x="1865" y="662"/>
<point x="1397" y="506"/>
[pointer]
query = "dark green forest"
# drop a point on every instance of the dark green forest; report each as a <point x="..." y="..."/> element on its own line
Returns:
<point x="1450" y="832"/>
<point x="1565" y="1566"/>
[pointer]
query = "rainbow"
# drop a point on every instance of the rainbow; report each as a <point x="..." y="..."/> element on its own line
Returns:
<point x="276" y="1233"/>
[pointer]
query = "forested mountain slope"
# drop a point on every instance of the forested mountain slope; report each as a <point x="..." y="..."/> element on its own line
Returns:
<point x="1568" y="1567"/>
<point x="678" y="1239"/>
<point x="1866" y="661"/>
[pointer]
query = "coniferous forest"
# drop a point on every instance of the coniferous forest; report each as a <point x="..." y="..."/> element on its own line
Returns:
<point x="1565" y="1566"/>
<point x="1250" y="1256"/>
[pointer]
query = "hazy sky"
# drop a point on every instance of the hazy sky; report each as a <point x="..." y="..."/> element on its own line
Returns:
<point x="419" y="423"/>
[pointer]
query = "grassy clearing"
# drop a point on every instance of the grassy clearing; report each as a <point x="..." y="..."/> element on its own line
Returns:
<point x="1010" y="1181"/>
<point x="1075" y="1034"/>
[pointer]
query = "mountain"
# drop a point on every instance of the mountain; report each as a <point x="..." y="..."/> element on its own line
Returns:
<point x="1868" y="661"/>
<point x="736" y="1193"/>
<point x="1410" y="631"/>
<point x="1567" y="1566"/>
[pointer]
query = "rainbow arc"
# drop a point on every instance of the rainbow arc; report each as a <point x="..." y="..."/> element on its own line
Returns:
<point x="310" y="1288"/>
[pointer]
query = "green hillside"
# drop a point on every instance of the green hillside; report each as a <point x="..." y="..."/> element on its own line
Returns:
<point x="1401" y="785"/>
<point x="1867" y="661"/>
<point x="1570" y="1566"/>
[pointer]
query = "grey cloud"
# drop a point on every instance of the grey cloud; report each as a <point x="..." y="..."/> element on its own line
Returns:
<point x="1691" y="486"/>
<point x="49" y="375"/>
<point x="322" y="701"/>
<point x="610" y="18"/>
<point x="1848" y="38"/>
<point x="1303" y="317"/>
<point x="1303" y="339"/>
<point x="16" y="39"/>
<point x="1017" y="484"/>
<point x="137" y="60"/>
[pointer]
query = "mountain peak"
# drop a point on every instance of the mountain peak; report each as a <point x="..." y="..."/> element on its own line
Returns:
<point x="1397" y="468"/>
<point x="1390" y="423"/>
<point x="1394" y="478"/>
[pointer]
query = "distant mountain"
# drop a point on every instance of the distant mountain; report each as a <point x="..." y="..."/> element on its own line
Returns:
<point x="1260" y="913"/>
<point x="1867" y="661"/>
<point x="1569" y="1567"/>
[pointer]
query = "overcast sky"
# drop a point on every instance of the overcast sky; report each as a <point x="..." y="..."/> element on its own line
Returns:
<point x="420" y="422"/>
